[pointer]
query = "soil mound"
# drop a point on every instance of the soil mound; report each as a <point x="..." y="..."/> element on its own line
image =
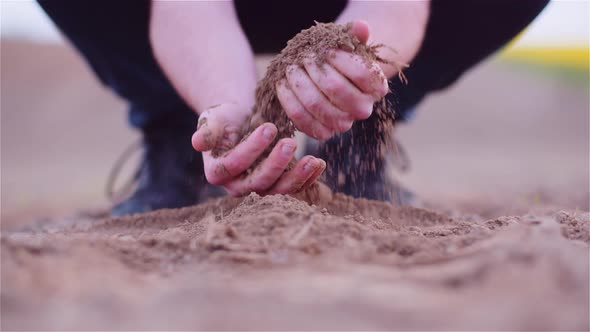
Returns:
<point x="346" y="263"/>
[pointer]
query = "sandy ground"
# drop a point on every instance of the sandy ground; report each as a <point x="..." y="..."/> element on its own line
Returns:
<point x="501" y="161"/>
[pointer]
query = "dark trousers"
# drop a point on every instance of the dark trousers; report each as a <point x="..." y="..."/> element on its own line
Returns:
<point x="113" y="38"/>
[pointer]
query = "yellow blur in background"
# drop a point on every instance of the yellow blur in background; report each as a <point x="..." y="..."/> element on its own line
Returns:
<point x="567" y="57"/>
<point x="558" y="38"/>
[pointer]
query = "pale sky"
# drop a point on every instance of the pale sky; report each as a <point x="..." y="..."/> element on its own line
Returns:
<point x="563" y="23"/>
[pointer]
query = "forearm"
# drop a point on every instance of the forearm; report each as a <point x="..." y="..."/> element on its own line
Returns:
<point x="400" y="25"/>
<point x="204" y="53"/>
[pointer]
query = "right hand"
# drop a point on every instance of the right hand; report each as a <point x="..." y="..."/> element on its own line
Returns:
<point x="220" y="128"/>
<point x="323" y="100"/>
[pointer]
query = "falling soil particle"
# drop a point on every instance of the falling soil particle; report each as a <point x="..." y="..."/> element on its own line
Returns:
<point x="374" y="133"/>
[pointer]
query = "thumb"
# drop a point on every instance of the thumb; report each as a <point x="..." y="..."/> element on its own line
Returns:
<point x="220" y="127"/>
<point x="360" y="29"/>
<point x="207" y="134"/>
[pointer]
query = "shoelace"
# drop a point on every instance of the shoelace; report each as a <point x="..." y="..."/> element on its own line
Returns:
<point x="118" y="196"/>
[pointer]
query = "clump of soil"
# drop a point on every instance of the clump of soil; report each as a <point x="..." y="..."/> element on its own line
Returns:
<point x="373" y="133"/>
<point x="319" y="40"/>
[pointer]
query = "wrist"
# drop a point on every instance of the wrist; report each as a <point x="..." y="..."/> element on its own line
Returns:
<point x="238" y="111"/>
<point x="204" y="53"/>
<point x="400" y="25"/>
<point x="243" y="104"/>
<point x="412" y="19"/>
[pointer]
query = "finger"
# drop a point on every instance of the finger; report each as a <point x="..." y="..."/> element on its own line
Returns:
<point x="339" y="90"/>
<point x="303" y="120"/>
<point x="314" y="100"/>
<point x="268" y="172"/>
<point x="209" y="132"/>
<point x="313" y="178"/>
<point x="219" y="127"/>
<point x="293" y="180"/>
<point x="220" y="170"/>
<point x="368" y="77"/>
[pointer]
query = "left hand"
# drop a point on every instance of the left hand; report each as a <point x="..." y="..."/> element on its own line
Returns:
<point x="220" y="127"/>
<point x="326" y="100"/>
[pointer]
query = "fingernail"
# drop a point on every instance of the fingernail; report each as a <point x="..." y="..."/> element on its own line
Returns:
<point x="287" y="149"/>
<point x="310" y="166"/>
<point x="268" y="133"/>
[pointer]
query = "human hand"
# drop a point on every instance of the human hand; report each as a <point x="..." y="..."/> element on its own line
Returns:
<point x="326" y="99"/>
<point x="220" y="128"/>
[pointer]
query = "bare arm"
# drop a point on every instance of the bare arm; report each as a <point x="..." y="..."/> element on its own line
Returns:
<point x="204" y="52"/>
<point x="398" y="24"/>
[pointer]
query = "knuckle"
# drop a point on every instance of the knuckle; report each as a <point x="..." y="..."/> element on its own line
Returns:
<point x="281" y="85"/>
<point x="273" y="171"/>
<point x="364" y="108"/>
<point x="363" y="114"/>
<point x="333" y="87"/>
<point x="311" y="132"/>
<point x="266" y="177"/>
<point x="314" y="104"/>
<point x="340" y="56"/>
<point x="213" y="174"/>
<point x="213" y="179"/>
<point x="324" y="135"/>
<point x="296" y="114"/>
<point x="344" y="125"/>
<point x="379" y="94"/>
<point x="360" y="77"/>
<point x="309" y="61"/>
<point x="367" y="101"/>
<point x="315" y="130"/>
<point x="290" y="71"/>
<point x="232" y="166"/>
<point x="261" y="184"/>
<point x="363" y="80"/>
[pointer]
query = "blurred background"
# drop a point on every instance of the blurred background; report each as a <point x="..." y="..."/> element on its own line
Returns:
<point x="513" y="133"/>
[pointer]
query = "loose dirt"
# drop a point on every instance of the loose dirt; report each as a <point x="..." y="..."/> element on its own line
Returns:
<point x="278" y="263"/>
<point x="264" y="263"/>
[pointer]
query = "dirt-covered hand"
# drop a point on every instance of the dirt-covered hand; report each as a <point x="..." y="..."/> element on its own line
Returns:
<point x="325" y="99"/>
<point x="220" y="129"/>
